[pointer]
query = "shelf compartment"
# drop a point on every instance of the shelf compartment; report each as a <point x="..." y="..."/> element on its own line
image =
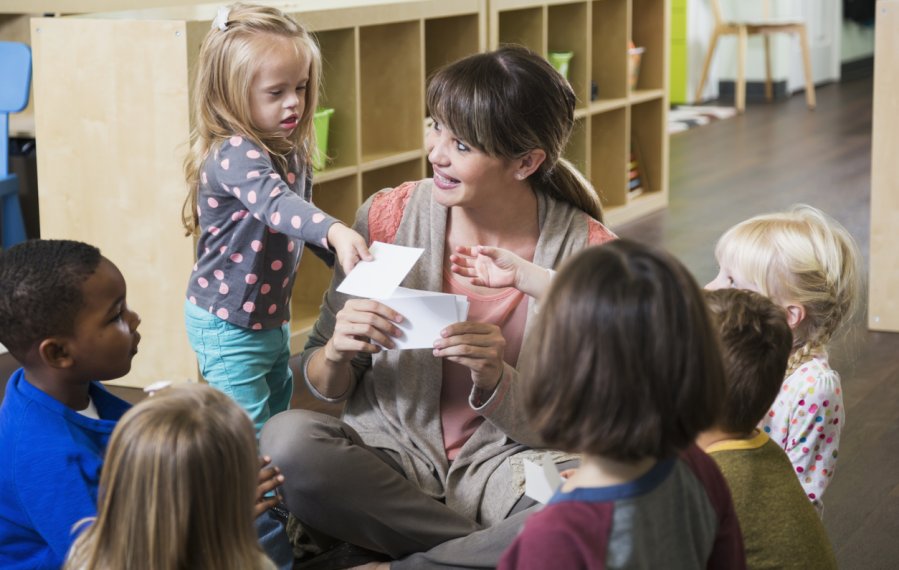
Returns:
<point x="338" y="48"/>
<point x="576" y="149"/>
<point x="391" y="176"/>
<point x="608" y="156"/>
<point x="391" y="79"/>
<point x="649" y="32"/>
<point x="522" y="27"/>
<point x="610" y="37"/>
<point x="450" y="39"/>
<point x="567" y="30"/>
<point x="647" y="140"/>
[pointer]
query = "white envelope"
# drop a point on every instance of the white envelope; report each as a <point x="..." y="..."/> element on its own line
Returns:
<point x="425" y="313"/>
<point x="378" y="279"/>
<point x="541" y="481"/>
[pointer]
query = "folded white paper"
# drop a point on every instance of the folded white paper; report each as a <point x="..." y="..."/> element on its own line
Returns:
<point x="379" y="278"/>
<point x="541" y="481"/>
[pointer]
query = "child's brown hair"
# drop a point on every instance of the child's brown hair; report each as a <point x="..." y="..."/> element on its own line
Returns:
<point x="630" y="365"/>
<point x="755" y="345"/>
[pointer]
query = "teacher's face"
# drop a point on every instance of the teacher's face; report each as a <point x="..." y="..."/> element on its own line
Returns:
<point x="463" y="175"/>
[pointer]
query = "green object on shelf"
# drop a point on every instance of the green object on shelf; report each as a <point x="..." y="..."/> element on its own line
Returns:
<point x="321" y="121"/>
<point x="560" y="60"/>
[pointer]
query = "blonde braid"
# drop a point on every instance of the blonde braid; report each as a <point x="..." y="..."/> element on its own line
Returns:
<point x="802" y="355"/>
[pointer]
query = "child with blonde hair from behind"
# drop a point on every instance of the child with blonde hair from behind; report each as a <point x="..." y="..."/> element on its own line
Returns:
<point x="807" y="263"/>
<point x="178" y="488"/>
<point x="250" y="181"/>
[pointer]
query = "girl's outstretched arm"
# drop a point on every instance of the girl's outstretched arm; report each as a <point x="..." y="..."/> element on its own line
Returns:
<point x="497" y="267"/>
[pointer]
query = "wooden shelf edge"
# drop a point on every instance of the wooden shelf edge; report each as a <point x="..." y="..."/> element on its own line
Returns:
<point x="374" y="162"/>
<point x="644" y="95"/>
<point x="329" y="174"/>
<point x="637" y="208"/>
<point x="603" y="105"/>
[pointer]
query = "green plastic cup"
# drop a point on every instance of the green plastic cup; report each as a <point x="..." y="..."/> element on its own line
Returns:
<point x="560" y="60"/>
<point x="321" y="121"/>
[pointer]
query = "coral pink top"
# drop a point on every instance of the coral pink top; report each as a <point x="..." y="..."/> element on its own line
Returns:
<point x="506" y="309"/>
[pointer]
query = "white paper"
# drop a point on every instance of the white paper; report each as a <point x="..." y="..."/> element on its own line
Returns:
<point x="425" y="314"/>
<point x="378" y="279"/>
<point x="541" y="481"/>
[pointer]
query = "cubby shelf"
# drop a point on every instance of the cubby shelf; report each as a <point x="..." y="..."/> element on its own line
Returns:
<point x="619" y="118"/>
<point x="113" y="132"/>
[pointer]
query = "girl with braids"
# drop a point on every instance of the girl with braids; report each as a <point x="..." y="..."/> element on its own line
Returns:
<point x="430" y="446"/>
<point x="807" y="263"/>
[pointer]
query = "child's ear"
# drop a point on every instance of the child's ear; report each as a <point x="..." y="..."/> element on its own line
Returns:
<point x="529" y="163"/>
<point x="795" y="315"/>
<point x="54" y="352"/>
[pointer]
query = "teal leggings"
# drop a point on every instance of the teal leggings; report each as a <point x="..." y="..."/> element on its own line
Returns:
<point x="250" y="366"/>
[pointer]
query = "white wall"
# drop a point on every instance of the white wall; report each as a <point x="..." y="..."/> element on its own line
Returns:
<point x="858" y="41"/>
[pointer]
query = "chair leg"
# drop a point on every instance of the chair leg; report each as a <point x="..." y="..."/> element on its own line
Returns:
<point x="740" y="93"/>
<point x="13" y="223"/>
<point x="706" y="65"/>
<point x="807" y="63"/>
<point x="769" y="89"/>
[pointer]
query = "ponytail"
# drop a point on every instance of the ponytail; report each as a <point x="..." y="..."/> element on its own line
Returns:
<point x="565" y="183"/>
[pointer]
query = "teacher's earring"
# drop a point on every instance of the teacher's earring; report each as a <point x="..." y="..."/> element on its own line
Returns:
<point x="519" y="176"/>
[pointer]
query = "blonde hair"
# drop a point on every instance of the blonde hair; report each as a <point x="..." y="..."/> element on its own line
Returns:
<point x="508" y="102"/>
<point x="226" y="65"/>
<point x="177" y="489"/>
<point x="800" y="256"/>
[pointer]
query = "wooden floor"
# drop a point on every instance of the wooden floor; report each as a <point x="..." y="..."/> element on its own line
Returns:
<point x="774" y="156"/>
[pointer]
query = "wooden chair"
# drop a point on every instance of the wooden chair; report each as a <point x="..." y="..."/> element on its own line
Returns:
<point x="765" y="27"/>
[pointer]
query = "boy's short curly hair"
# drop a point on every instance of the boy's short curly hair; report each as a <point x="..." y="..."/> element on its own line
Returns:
<point x="40" y="290"/>
<point x="755" y="344"/>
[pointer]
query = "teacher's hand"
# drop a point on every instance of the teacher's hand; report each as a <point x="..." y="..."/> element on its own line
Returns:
<point x="360" y="324"/>
<point x="477" y="346"/>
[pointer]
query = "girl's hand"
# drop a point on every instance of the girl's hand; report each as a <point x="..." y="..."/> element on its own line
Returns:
<point x="270" y="479"/>
<point x="360" y="324"/>
<point x="497" y="267"/>
<point x="479" y="347"/>
<point x="349" y="246"/>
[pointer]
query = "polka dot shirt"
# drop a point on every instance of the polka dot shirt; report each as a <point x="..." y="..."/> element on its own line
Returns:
<point x="254" y="222"/>
<point x="806" y="420"/>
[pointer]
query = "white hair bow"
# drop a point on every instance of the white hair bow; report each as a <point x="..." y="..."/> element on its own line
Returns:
<point x="221" y="18"/>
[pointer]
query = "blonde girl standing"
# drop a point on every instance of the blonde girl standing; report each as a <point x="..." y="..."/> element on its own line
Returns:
<point x="807" y="263"/>
<point x="250" y="183"/>
<point x="178" y="488"/>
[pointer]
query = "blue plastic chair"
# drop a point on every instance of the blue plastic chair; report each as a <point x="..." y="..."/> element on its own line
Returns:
<point x="15" y="79"/>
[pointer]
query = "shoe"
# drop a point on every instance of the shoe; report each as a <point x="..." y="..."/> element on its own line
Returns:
<point x="342" y="556"/>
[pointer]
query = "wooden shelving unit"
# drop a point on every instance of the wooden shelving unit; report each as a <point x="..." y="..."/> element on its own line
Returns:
<point x="112" y="95"/>
<point x="607" y="128"/>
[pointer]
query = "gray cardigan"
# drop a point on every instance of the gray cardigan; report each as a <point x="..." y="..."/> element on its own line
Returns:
<point x="394" y="402"/>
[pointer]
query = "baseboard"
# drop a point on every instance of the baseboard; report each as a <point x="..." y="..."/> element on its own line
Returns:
<point x="755" y="90"/>
<point x="857" y="69"/>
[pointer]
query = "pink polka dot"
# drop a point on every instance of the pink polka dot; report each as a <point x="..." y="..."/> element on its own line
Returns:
<point x="223" y="249"/>
<point x="285" y="282"/>
<point x="317" y="218"/>
<point x="249" y="306"/>
<point x="236" y="216"/>
<point x="825" y="403"/>
<point x="204" y="178"/>
<point x="251" y="197"/>
<point x="253" y="174"/>
<point x="237" y="191"/>
<point x="222" y="313"/>
<point x="273" y="230"/>
<point x="256" y="245"/>
<point x="295" y="222"/>
<point x="253" y="153"/>
<point x="257" y="327"/>
<point x="195" y="266"/>
<point x="276" y="218"/>
<point x="236" y="257"/>
<point x="203" y="282"/>
<point x="199" y="212"/>
<point x="213" y="203"/>
<point x="225" y="164"/>
<point x="272" y="309"/>
<point x="193" y="299"/>
<point x="277" y="264"/>
<point x="813" y="408"/>
<point x="251" y="278"/>
<point x="219" y="274"/>
<point x="265" y="288"/>
<point x="325" y="243"/>
<point x="206" y="250"/>
<point x="223" y="289"/>
<point x="235" y="140"/>
<point x="274" y="176"/>
<point x="274" y="193"/>
<point x="214" y="230"/>
<point x="257" y="216"/>
<point x="290" y="246"/>
<point x="291" y="177"/>
<point x="800" y="470"/>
